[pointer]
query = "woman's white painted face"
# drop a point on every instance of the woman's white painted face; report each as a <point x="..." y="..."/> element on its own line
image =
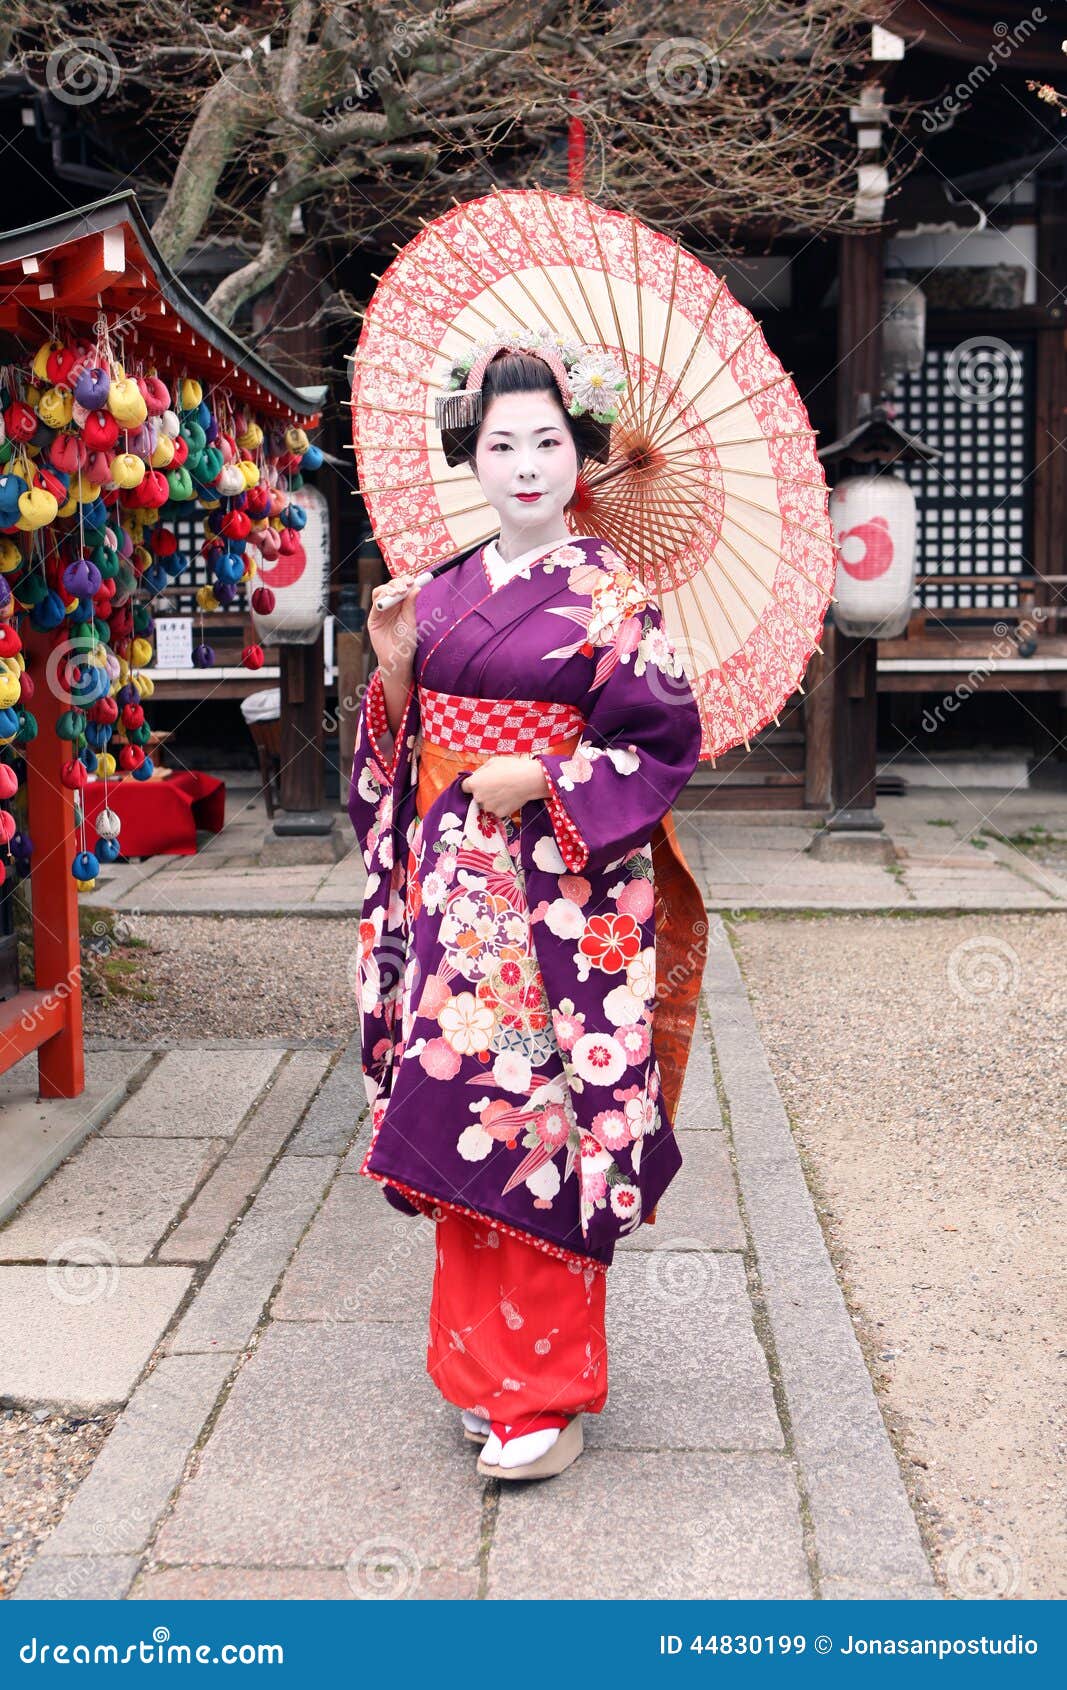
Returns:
<point x="526" y="460"/>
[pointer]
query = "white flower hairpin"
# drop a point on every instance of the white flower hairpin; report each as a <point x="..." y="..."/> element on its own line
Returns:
<point x="589" y="378"/>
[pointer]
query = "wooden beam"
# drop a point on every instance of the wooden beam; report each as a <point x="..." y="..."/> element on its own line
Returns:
<point x="17" y="320"/>
<point x="27" y="1021"/>
<point x="944" y="681"/>
<point x="90" y="267"/>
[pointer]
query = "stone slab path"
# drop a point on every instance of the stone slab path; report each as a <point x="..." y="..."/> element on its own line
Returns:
<point x="210" y="1258"/>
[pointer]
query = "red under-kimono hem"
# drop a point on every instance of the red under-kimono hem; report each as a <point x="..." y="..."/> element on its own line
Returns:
<point x="512" y="1330"/>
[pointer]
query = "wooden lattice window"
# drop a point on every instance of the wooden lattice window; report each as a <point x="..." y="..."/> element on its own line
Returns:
<point x="190" y="534"/>
<point x="975" y="400"/>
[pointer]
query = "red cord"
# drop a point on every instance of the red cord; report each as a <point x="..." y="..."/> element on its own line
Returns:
<point x="524" y="1423"/>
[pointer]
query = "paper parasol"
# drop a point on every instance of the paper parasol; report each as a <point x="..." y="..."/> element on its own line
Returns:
<point x="713" y="493"/>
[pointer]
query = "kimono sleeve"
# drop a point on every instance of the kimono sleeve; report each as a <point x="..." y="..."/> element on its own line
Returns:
<point x="640" y="744"/>
<point x="380" y="807"/>
<point x="376" y="766"/>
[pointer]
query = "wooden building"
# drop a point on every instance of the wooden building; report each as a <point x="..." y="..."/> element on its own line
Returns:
<point x="977" y="231"/>
<point x="64" y="273"/>
<point x="973" y="222"/>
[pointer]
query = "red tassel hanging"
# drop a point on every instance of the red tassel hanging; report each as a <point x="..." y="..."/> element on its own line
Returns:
<point x="575" y="150"/>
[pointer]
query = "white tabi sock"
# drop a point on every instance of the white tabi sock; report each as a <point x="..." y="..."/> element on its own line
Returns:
<point x="518" y="1451"/>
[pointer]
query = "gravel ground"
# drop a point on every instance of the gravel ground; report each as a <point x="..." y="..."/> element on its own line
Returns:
<point x="43" y="1459"/>
<point x="922" y="1064"/>
<point x="236" y="978"/>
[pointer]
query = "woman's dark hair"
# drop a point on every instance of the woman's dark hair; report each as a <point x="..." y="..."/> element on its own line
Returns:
<point x="515" y="372"/>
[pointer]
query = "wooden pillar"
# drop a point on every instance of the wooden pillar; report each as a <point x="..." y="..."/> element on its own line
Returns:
<point x="297" y="351"/>
<point x="49" y="1019"/>
<point x="302" y="777"/>
<point x="352" y="645"/>
<point x="859" y="381"/>
<point x="1050" y="426"/>
<point x="855" y="725"/>
<point x="859" y="323"/>
<point x="819" y="724"/>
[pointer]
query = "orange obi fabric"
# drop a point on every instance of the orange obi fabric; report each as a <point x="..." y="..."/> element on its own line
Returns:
<point x="463" y="733"/>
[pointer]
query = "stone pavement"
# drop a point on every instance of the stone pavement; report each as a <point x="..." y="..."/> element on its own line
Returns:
<point x="210" y="1258"/>
<point x="948" y="857"/>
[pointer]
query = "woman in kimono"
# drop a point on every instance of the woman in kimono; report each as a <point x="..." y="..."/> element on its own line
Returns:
<point x="532" y="942"/>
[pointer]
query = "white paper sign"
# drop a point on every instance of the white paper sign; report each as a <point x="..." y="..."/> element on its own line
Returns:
<point x="174" y="642"/>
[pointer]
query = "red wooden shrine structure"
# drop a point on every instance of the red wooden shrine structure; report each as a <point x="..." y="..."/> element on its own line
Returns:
<point x="65" y="271"/>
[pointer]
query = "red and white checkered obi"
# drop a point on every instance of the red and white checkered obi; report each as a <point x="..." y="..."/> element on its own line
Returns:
<point x="496" y="727"/>
<point x="460" y="732"/>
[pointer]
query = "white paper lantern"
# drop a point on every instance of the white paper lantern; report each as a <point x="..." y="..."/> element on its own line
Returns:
<point x="903" y="328"/>
<point x="874" y="525"/>
<point x="299" y="579"/>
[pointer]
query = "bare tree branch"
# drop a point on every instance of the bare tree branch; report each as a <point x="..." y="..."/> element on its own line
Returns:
<point x="727" y="117"/>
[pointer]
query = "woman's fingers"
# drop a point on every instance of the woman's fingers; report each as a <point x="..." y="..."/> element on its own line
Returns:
<point x="389" y="593"/>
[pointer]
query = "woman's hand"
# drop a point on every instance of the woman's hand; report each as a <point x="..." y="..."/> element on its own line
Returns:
<point x="504" y="784"/>
<point x="392" y="629"/>
<point x="391" y="623"/>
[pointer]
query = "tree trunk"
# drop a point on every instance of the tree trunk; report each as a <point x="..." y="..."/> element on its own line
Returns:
<point x="227" y="112"/>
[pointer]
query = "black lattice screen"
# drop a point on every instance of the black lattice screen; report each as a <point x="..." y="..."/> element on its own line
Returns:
<point x="973" y="399"/>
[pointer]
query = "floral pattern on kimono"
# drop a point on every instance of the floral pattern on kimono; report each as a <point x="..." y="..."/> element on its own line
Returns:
<point x="506" y="972"/>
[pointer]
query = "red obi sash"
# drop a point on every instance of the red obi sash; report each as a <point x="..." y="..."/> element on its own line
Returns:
<point x="496" y="727"/>
<point x="462" y="733"/>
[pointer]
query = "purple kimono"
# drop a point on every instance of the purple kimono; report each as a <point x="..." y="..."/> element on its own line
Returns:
<point x="507" y="975"/>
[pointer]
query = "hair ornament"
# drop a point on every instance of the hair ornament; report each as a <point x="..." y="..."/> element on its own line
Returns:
<point x="588" y="377"/>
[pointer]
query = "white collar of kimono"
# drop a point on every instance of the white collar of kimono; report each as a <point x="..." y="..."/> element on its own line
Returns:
<point x="493" y="557"/>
